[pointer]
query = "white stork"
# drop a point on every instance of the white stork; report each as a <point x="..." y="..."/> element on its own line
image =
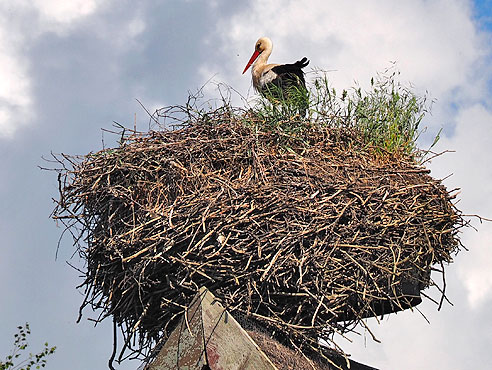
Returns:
<point x="275" y="80"/>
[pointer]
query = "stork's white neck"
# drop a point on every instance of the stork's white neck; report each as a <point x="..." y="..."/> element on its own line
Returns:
<point x="260" y="66"/>
<point x="263" y="57"/>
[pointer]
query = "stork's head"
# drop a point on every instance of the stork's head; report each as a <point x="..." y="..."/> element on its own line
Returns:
<point x="264" y="44"/>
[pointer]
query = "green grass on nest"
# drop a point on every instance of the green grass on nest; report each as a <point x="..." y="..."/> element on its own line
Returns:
<point x="387" y="117"/>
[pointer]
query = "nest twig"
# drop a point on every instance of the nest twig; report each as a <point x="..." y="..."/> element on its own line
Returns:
<point x="306" y="234"/>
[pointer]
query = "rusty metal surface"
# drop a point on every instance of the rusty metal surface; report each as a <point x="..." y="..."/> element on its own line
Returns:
<point x="209" y="335"/>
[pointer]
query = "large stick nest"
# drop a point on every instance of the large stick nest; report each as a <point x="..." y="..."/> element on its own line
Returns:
<point x="306" y="234"/>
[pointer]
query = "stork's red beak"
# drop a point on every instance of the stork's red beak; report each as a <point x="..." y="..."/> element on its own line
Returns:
<point x="253" y="58"/>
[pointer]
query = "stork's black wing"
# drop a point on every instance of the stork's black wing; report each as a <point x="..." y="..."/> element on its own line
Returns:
<point x="291" y="70"/>
<point x="289" y="86"/>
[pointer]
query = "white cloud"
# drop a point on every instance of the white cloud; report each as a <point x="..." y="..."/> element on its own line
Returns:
<point x="136" y="27"/>
<point x="16" y="108"/>
<point x="471" y="141"/>
<point x="21" y="22"/>
<point x="474" y="269"/>
<point x="15" y="97"/>
<point x="470" y="165"/>
<point x="65" y="12"/>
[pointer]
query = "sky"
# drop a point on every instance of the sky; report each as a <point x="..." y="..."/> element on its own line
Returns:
<point x="70" y="68"/>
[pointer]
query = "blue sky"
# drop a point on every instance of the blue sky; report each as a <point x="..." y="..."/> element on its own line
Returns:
<point x="483" y="13"/>
<point x="68" y="69"/>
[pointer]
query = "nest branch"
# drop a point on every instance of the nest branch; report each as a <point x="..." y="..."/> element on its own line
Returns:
<point x="307" y="234"/>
